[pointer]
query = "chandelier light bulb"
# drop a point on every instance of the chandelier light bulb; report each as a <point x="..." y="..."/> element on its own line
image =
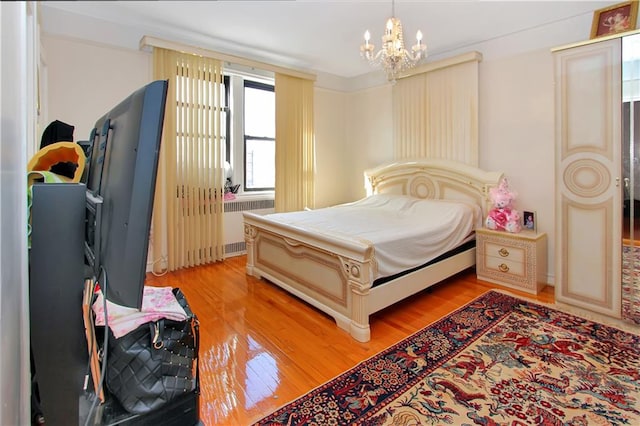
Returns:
<point x="419" y="36"/>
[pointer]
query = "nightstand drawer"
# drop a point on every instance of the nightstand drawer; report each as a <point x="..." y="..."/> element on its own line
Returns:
<point x="504" y="265"/>
<point x="503" y="251"/>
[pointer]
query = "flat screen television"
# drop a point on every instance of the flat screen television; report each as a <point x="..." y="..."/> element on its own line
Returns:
<point x="120" y="190"/>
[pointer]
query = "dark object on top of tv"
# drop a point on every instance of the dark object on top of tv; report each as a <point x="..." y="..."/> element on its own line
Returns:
<point x="56" y="131"/>
<point x="120" y="190"/>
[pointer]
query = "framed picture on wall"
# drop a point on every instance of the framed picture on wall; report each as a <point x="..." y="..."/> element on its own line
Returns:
<point x="529" y="221"/>
<point x="614" y="19"/>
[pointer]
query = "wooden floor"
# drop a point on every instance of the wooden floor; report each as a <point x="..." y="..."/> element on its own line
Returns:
<point x="261" y="347"/>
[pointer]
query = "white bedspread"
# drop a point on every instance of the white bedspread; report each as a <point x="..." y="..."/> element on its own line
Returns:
<point x="406" y="232"/>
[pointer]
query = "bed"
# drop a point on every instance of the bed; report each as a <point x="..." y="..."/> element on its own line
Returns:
<point x="340" y="273"/>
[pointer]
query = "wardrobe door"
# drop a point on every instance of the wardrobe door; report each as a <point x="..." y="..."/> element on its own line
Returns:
<point x="631" y="178"/>
<point x="588" y="101"/>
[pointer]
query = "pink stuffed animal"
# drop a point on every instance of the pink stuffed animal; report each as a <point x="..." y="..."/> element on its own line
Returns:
<point x="503" y="217"/>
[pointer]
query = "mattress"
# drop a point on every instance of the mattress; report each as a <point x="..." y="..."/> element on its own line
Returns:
<point x="405" y="232"/>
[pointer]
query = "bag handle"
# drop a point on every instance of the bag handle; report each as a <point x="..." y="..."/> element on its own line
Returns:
<point x="157" y="333"/>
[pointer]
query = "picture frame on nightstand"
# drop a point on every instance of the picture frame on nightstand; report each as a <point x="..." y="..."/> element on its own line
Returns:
<point x="529" y="221"/>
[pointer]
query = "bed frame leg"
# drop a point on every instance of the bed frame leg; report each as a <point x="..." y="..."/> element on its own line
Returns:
<point x="359" y="325"/>
<point x="359" y="332"/>
<point x="250" y="238"/>
<point x="252" y="271"/>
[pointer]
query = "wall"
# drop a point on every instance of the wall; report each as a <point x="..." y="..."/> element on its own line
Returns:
<point x="369" y="129"/>
<point x="517" y="131"/>
<point x="332" y="165"/>
<point x="18" y="50"/>
<point x="353" y="128"/>
<point x="516" y="125"/>
<point x="87" y="79"/>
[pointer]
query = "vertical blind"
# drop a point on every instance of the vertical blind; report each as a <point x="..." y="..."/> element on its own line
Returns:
<point x="295" y="144"/>
<point x="436" y="114"/>
<point x="188" y="213"/>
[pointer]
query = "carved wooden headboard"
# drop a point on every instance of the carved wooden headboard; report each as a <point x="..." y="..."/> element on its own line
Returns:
<point x="434" y="179"/>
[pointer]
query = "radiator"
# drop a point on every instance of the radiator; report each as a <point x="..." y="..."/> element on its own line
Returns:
<point x="234" y="244"/>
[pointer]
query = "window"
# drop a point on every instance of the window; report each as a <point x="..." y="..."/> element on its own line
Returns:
<point x="251" y="124"/>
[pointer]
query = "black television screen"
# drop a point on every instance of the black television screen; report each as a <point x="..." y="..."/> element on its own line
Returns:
<point x="122" y="178"/>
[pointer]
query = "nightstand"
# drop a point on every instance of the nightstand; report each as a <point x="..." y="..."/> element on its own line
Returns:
<point x="514" y="260"/>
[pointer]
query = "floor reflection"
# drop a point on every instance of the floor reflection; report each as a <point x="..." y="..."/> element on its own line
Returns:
<point x="261" y="374"/>
<point x="218" y="366"/>
<point x="239" y="363"/>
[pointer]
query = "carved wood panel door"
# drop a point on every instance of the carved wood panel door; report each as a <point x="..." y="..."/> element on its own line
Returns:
<point x="588" y="103"/>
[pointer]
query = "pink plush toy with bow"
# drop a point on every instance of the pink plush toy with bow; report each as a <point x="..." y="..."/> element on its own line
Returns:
<point x="503" y="217"/>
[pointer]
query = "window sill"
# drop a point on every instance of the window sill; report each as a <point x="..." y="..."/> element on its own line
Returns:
<point x="254" y="196"/>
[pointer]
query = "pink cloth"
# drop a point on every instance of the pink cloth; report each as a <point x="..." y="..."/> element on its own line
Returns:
<point x="157" y="303"/>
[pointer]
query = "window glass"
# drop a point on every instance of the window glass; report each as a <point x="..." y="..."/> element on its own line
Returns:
<point x="259" y="136"/>
<point x="259" y="111"/>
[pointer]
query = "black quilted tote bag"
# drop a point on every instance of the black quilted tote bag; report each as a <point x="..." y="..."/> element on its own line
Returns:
<point x="155" y="363"/>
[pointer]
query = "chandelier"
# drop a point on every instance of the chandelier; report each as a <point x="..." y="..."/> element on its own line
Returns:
<point x="393" y="57"/>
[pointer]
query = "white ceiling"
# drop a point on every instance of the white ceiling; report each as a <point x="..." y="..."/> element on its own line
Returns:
<point x="318" y="35"/>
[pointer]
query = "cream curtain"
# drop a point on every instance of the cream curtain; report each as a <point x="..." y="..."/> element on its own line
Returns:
<point x="188" y="207"/>
<point x="295" y="151"/>
<point x="435" y="114"/>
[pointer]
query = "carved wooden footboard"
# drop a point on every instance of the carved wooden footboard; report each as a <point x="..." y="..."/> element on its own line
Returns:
<point x="335" y="274"/>
<point x="331" y="274"/>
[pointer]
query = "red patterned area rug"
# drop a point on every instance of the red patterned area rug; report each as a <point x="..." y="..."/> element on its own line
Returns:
<point x="631" y="283"/>
<point x="499" y="360"/>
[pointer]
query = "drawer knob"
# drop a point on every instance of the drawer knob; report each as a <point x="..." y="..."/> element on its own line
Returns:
<point x="503" y="267"/>
<point x="503" y="252"/>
